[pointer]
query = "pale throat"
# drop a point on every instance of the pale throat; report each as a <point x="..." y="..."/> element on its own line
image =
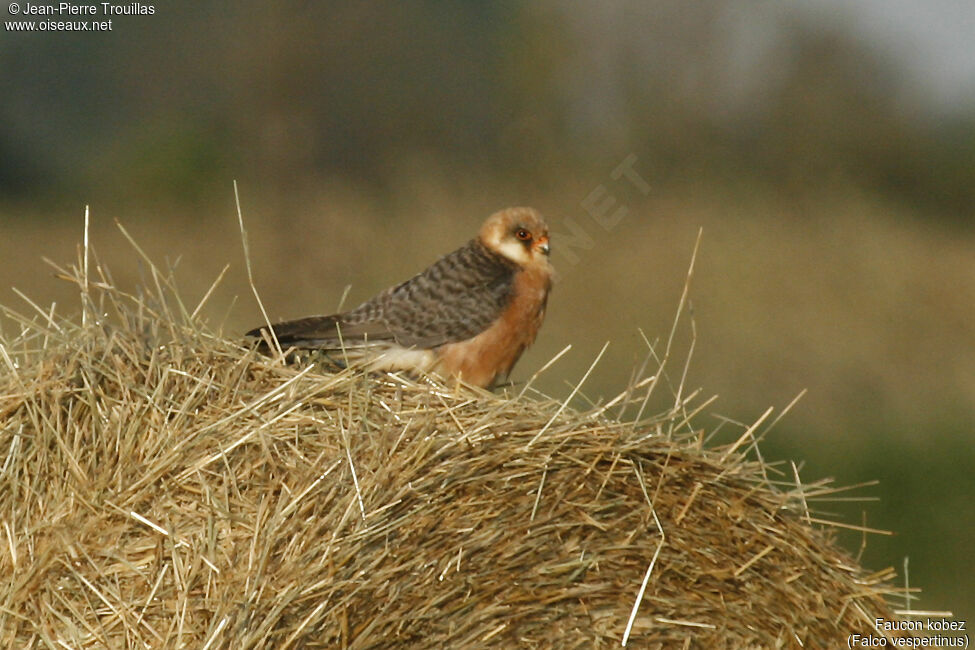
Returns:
<point x="514" y="251"/>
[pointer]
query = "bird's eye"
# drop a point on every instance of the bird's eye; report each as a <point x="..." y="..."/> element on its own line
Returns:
<point x="523" y="234"/>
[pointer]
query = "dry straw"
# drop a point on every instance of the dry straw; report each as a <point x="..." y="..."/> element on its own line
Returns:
<point x="164" y="487"/>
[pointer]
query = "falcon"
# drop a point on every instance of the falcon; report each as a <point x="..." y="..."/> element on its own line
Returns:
<point x="470" y="315"/>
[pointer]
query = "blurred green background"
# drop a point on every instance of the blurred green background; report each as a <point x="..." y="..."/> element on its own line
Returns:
<point x="826" y="148"/>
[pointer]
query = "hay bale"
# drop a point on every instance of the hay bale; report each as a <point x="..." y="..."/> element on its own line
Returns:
<point x="162" y="486"/>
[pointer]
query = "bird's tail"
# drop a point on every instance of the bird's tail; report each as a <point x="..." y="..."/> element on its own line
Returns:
<point x="312" y="332"/>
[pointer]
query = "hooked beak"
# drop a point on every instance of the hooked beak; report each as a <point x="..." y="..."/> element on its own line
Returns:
<point x="542" y="245"/>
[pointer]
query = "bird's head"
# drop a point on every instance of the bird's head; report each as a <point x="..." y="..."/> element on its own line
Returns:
<point x="519" y="234"/>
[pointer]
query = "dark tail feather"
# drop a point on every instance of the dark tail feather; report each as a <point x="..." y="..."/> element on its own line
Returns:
<point x="311" y="332"/>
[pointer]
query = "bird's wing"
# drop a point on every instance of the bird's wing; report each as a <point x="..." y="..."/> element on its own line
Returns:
<point x="454" y="299"/>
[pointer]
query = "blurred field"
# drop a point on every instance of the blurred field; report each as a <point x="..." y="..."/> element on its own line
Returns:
<point x="863" y="304"/>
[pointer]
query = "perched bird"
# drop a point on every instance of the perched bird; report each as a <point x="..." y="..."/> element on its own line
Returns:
<point x="470" y="314"/>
